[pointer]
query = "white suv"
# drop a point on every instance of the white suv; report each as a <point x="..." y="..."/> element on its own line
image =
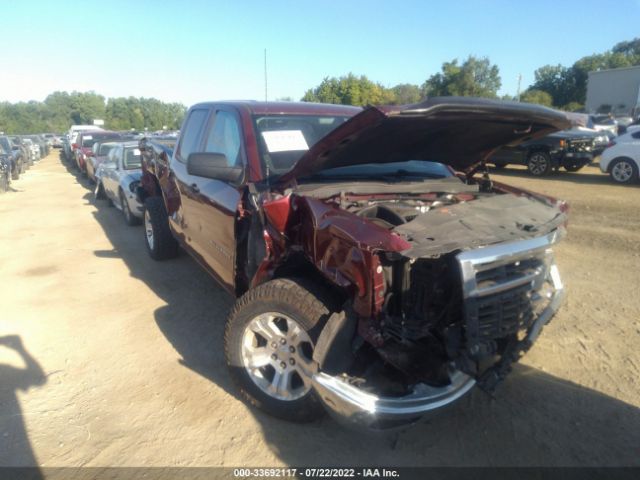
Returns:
<point x="622" y="159"/>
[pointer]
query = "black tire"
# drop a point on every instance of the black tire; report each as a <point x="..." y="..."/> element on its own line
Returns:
<point x="573" y="168"/>
<point x="309" y="306"/>
<point x="162" y="245"/>
<point x="620" y="165"/>
<point x="539" y="163"/>
<point x="98" y="192"/>
<point x="4" y="183"/>
<point x="129" y="217"/>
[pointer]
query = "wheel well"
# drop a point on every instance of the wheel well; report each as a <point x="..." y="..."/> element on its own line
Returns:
<point x="629" y="159"/>
<point x="298" y="266"/>
<point x="537" y="149"/>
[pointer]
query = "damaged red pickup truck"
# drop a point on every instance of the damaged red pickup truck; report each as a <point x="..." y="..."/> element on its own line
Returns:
<point x="379" y="272"/>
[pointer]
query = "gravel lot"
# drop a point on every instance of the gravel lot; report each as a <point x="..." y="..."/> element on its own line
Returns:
<point x="124" y="362"/>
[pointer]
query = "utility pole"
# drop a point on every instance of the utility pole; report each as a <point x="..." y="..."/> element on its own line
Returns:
<point x="265" y="74"/>
<point x="519" y="80"/>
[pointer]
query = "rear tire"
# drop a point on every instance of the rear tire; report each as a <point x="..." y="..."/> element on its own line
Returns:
<point x="269" y="339"/>
<point x="539" y="163"/>
<point x="158" y="237"/>
<point x="623" y="171"/>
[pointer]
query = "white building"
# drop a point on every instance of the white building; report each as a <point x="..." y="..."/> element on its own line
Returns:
<point x="618" y="87"/>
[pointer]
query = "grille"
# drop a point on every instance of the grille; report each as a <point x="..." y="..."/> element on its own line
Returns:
<point x="580" y="145"/>
<point x="501" y="288"/>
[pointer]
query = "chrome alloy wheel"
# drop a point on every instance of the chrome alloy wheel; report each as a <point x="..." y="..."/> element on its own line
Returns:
<point x="622" y="171"/>
<point x="276" y="353"/>
<point x="148" y="229"/>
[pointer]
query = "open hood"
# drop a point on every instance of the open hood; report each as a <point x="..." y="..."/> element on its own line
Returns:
<point x="457" y="131"/>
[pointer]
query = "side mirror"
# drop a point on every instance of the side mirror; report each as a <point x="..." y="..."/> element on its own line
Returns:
<point x="212" y="165"/>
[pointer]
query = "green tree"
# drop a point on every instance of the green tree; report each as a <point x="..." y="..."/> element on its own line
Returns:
<point x="475" y="77"/>
<point x="349" y="90"/>
<point x="537" y="96"/>
<point x="557" y="81"/>
<point x="406" y="93"/>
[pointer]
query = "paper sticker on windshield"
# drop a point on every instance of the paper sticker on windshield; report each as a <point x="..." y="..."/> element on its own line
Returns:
<point x="284" y="140"/>
<point x="87" y="137"/>
<point x="136" y="151"/>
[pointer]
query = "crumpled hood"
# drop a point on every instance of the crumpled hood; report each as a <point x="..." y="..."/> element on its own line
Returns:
<point x="457" y="131"/>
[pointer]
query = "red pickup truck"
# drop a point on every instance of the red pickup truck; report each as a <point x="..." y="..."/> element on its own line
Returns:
<point x="379" y="272"/>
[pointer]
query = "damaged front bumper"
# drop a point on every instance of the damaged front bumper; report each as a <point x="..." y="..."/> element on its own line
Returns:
<point x="357" y="408"/>
<point x="354" y="407"/>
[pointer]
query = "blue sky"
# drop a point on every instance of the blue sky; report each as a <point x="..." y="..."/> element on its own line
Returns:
<point x="205" y="50"/>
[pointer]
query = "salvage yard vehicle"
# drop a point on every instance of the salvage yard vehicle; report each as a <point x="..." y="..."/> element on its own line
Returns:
<point x="117" y="179"/>
<point x="84" y="145"/>
<point x="14" y="156"/>
<point x="100" y="151"/>
<point x="379" y="272"/>
<point x="571" y="150"/>
<point x="5" y="172"/>
<point x="621" y="160"/>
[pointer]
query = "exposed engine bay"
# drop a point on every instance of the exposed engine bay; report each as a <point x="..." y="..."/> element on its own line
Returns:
<point x="431" y="324"/>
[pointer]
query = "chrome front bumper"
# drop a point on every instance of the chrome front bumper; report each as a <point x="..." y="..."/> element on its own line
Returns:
<point x="356" y="408"/>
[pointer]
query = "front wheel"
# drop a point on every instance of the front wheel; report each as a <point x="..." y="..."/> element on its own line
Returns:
<point x="159" y="240"/>
<point x="269" y="341"/>
<point x="623" y="170"/>
<point x="129" y="217"/>
<point x="99" y="191"/>
<point x="539" y="164"/>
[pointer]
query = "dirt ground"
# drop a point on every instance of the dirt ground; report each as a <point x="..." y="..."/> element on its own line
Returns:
<point x="111" y="359"/>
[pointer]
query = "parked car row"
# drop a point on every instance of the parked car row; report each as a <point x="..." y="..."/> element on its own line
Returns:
<point x="17" y="154"/>
<point x="590" y="137"/>
<point x="111" y="160"/>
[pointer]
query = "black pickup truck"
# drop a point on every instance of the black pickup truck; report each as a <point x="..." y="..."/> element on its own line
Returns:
<point x="379" y="272"/>
<point x="570" y="150"/>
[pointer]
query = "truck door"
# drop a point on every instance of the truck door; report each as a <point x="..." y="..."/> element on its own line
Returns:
<point x="217" y="200"/>
<point x="210" y="205"/>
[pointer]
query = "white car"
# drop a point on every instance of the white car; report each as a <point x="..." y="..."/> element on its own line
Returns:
<point x="622" y="159"/>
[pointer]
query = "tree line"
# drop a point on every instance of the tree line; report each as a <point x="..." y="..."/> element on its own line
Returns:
<point x="554" y="86"/>
<point x="62" y="109"/>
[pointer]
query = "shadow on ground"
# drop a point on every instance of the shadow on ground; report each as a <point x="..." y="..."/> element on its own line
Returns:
<point x="15" y="447"/>
<point x="535" y="419"/>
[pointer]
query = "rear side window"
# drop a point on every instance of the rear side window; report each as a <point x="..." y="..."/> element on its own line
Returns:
<point x="191" y="133"/>
<point x="132" y="159"/>
<point x="636" y="135"/>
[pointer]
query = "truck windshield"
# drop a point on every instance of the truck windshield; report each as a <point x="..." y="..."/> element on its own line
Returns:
<point x="283" y="139"/>
<point x="393" y="171"/>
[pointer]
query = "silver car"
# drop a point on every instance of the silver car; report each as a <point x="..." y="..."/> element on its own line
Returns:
<point x="117" y="179"/>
